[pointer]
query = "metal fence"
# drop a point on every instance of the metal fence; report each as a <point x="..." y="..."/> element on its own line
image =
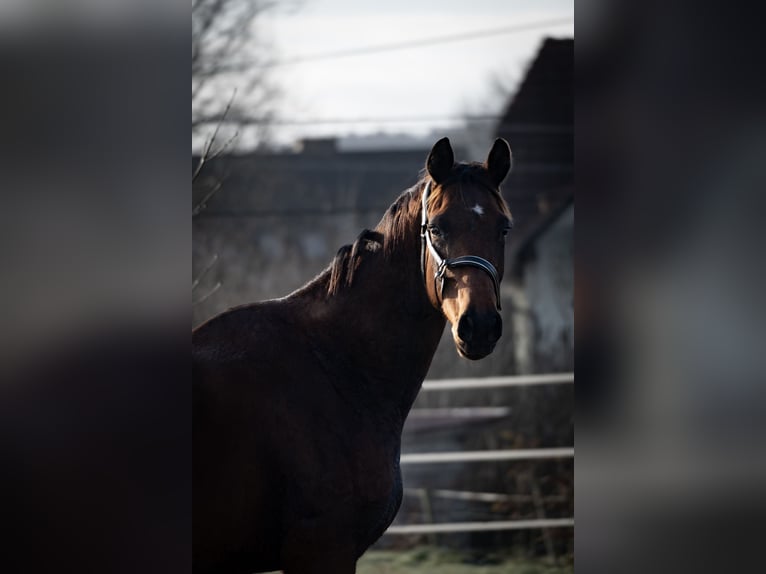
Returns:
<point x="487" y="455"/>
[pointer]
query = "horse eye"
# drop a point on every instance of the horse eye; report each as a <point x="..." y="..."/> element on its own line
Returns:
<point x="435" y="231"/>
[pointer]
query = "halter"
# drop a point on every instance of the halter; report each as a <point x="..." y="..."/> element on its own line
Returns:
<point x="443" y="264"/>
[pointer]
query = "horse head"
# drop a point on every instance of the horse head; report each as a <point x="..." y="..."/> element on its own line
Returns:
<point x="464" y="224"/>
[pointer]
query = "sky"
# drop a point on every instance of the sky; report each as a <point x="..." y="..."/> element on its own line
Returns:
<point x="431" y="83"/>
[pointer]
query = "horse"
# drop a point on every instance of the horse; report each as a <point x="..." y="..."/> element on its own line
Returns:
<point x="299" y="402"/>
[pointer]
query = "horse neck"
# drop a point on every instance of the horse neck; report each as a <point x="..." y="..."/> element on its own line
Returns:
<point x="385" y="325"/>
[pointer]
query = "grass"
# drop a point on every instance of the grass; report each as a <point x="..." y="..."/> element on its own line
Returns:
<point x="427" y="560"/>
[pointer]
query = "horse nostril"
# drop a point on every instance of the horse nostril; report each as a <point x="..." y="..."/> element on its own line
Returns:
<point x="465" y="328"/>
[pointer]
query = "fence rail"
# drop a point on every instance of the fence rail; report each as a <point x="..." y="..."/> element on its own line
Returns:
<point x="495" y="382"/>
<point x="481" y="526"/>
<point x="482" y="455"/>
<point x="472" y="496"/>
<point x="487" y="455"/>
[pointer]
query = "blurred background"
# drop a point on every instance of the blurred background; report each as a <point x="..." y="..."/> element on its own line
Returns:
<point x="308" y="119"/>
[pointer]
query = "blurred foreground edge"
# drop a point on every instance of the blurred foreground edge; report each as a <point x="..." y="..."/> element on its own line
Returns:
<point x="95" y="444"/>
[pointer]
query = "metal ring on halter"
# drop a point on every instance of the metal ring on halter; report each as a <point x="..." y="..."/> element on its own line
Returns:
<point x="440" y="276"/>
<point x="443" y="264"/>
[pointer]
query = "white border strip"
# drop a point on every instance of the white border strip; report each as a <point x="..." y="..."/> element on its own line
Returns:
<point x="479" y="455"/>
<point x="495" y="382"/>
<point x="479" y="526"/>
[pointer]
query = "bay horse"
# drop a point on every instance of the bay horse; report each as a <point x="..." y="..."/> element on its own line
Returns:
<point x="299" y="402"/>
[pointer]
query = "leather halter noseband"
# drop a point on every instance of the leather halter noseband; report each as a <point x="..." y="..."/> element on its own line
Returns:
<point x="443" y="264"/>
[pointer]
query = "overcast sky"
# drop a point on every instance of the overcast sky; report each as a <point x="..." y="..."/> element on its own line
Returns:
<point x="441" y="80"/>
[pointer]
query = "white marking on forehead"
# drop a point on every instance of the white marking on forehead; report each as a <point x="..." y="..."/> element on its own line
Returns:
<point x="478" y="209"/>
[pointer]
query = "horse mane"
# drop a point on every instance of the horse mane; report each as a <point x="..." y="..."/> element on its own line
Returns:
<point x="348" y="258"/>
<point x="401" y="219"/>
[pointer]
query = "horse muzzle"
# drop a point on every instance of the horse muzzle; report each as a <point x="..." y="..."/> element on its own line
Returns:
<point x="476" y="334"/>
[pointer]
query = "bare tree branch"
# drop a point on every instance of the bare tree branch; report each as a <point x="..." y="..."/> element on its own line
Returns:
<point x="223" y="33"/>
<point x="207" y="268"/>
<point x="206" y="152"/>
<point x="203" y="203"/>
<point x="215" y="288"/>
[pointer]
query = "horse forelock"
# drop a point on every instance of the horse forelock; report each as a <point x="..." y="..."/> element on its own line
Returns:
<point x="463" y="175"/>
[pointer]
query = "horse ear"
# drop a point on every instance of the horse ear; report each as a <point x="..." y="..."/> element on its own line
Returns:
<point x="440" y="160"/>
<point x="499" y="161"/>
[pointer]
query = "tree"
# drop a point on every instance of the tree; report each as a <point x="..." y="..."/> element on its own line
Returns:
<point x="228" y="56"/>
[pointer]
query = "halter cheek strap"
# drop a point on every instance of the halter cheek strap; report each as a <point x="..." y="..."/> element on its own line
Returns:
<point x="443" y="264"/>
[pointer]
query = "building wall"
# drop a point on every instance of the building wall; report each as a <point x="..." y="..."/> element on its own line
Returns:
<point x="548" y="282"/>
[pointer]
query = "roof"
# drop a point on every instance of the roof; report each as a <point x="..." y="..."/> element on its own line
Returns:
<point x="538" y="123"/>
